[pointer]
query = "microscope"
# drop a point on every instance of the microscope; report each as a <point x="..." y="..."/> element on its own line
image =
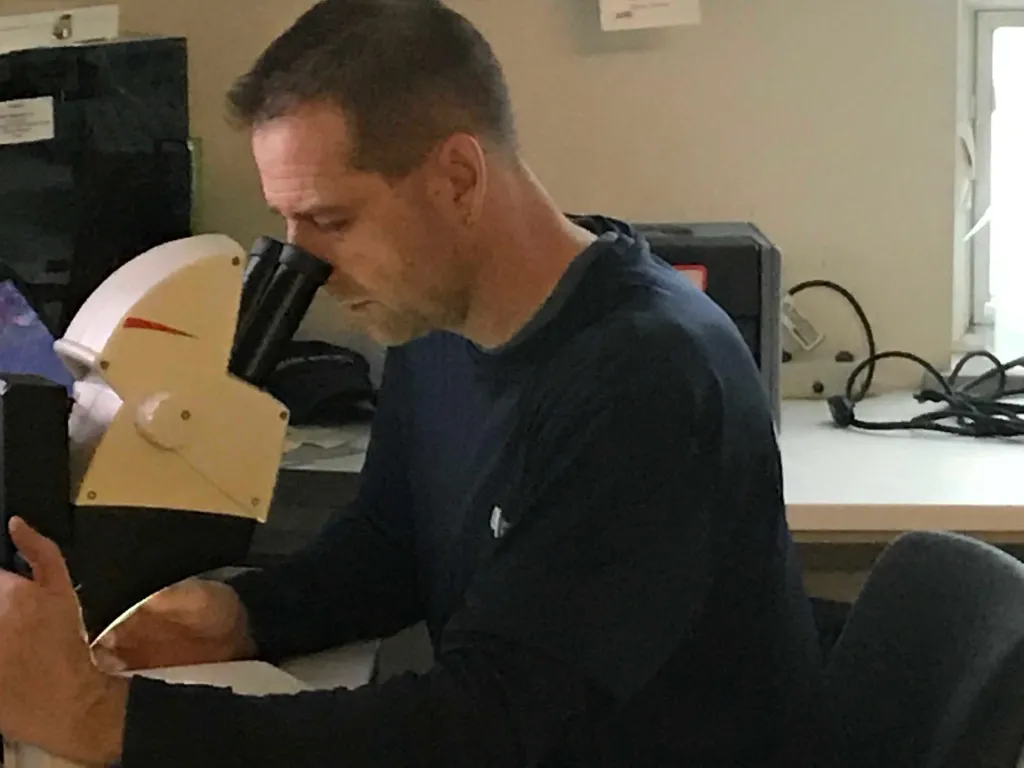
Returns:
<point x="164" y="457"/>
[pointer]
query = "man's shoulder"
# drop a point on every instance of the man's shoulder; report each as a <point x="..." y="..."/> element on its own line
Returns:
<point x="635" y="325"/>
<point x="666" y="336"/>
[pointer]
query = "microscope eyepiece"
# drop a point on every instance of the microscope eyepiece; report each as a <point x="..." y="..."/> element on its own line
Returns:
<point x="284" y="282"/>
<point x="299" y="260"/>
<point x="259" y="271"/>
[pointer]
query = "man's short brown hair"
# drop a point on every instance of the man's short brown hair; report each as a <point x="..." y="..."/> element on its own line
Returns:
<point x="405" y="73"/>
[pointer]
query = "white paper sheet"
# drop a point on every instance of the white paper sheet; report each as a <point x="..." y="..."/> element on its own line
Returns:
<point x="619" y="15"/>
<point x="27" y="121"/>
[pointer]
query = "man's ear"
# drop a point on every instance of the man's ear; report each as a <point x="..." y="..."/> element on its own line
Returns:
<point x="462" y="175"/>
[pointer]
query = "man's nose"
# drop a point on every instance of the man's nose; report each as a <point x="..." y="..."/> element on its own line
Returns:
<point x="298" y="234"/>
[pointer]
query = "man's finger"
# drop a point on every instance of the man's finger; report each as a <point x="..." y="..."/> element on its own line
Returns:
<point x="42" y="554"/>
<point x="108" y="661"/>
<point x="106" y="639"/>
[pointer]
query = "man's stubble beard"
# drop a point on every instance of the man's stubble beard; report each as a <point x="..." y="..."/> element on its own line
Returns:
<point x="439" y="311"/>
<point x="445" y="303"/>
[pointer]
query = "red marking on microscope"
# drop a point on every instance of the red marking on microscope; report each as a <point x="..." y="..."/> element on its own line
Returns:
<point x="151" y="325"/>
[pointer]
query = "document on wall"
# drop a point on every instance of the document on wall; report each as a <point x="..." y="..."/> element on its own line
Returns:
<point x="617" y="15"/>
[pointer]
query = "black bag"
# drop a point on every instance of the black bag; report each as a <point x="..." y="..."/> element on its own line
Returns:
<point x="322" y="384"/>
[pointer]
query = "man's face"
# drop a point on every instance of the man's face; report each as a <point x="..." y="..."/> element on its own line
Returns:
<point x="400" y="270"/>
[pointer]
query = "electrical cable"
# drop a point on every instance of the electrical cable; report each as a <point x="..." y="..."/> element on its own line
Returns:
<point x="869" y="333"/>
<point x="973" y="414"/>
<point x="979" y="408"/>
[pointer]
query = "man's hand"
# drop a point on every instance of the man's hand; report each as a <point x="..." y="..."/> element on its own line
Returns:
<point x="191" y="622"/>
<point x="51" y="693"/>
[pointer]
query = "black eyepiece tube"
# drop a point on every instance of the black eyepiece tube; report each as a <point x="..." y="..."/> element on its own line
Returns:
<point x="278" y="313"/>
<point x="263" y="259"/>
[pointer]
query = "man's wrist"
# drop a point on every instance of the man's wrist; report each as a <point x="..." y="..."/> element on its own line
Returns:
<point x="97" y="730"/>
<point x="243" y="646"/>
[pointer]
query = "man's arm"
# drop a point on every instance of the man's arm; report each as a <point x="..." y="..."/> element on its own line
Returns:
<point x="568" y="617"/>
<point x="357" y="579"/>
<point x="496" y="705"/>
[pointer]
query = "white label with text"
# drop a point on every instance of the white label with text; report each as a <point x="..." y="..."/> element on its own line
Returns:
<point x="27" y="121"/>
<point x="619" y="15"/>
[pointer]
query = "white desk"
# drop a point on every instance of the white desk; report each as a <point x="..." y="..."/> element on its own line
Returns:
<point x="350" y="666"/>
<point x="845" y="485"/>
<point x="849" y="485"/>
<point x="347" y="667"/>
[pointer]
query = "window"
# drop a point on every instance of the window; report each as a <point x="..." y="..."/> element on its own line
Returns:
<point x="998" y="246"/>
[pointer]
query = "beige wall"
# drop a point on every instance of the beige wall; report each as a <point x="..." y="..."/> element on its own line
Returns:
<point x="831" y="124"/>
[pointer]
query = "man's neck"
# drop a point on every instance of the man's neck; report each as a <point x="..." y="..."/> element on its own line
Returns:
<point x="530" y="244"/>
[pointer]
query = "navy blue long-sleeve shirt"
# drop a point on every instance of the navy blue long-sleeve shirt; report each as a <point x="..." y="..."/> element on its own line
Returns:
<point x="589" y="519"/>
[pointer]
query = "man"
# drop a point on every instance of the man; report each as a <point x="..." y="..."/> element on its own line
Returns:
<point x="573" y="478"/>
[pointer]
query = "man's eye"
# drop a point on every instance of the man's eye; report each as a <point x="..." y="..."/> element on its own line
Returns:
<point x="331" y="225"/>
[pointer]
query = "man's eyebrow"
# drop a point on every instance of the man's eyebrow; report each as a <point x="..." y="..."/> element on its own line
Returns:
<point x="313" y="211"/>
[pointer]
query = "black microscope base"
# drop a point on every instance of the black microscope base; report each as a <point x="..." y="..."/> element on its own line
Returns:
<point x="122" y="555"/>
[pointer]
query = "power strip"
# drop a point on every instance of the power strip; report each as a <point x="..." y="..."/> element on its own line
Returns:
<point x="59" y="27"/>
<point x="814" y="379"/>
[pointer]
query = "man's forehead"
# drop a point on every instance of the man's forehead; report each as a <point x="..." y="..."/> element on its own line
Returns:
<point x="304" y="168"/>
<point x="298" y="193"/>
<point x="309" y="135"/>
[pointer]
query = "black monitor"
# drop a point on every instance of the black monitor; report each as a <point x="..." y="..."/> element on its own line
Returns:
<point x="26" y="344"/>
<point x="109" y="178"/>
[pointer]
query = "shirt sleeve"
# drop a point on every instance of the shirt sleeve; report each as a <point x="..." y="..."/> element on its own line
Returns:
<point x="357" y="578"/>
<point x="494" y="704"/>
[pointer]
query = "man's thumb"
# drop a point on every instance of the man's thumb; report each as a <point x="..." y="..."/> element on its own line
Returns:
<point x="42" y="554"/>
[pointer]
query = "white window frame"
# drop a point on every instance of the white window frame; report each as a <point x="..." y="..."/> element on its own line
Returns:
<point x="986" y="22"/>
